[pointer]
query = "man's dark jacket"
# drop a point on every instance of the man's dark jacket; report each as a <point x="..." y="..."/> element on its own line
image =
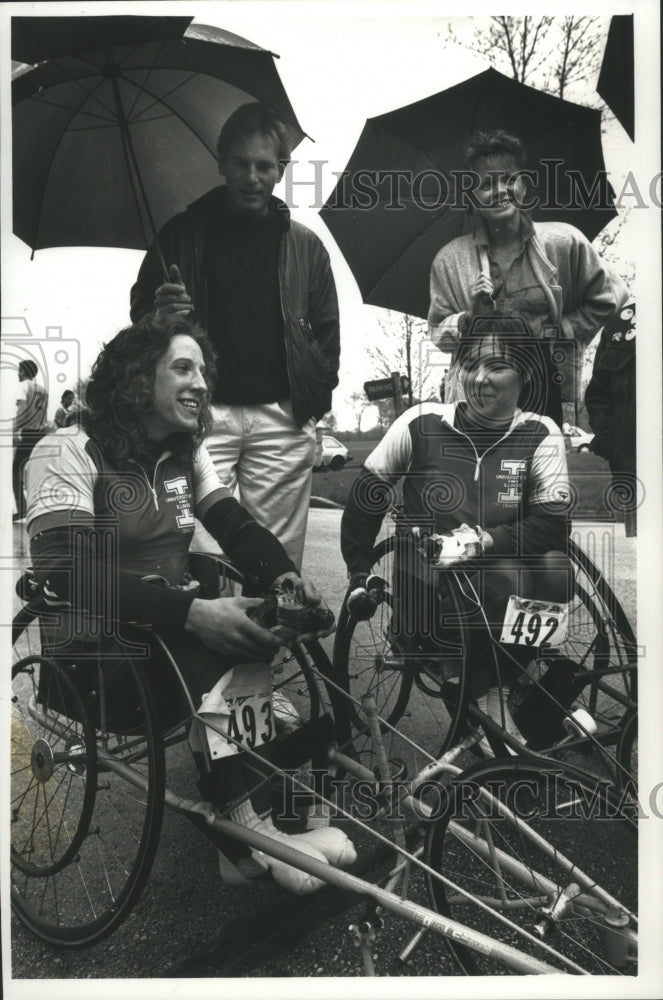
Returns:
<point x="308" y="298"/>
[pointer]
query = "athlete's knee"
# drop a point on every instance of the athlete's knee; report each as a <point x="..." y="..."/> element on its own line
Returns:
<point x="554" y="578"/>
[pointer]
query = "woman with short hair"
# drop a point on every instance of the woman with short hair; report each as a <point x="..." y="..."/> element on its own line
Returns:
<point x="487" y="474"/>
<point x="547" y="271"/>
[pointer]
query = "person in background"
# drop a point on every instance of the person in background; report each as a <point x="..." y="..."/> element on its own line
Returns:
<point x="261" y="285"/>
<point x="546" y="271"/>
<point x="610" y="400"/>
<point x="29" y="426"/>
<point x="62" y="413"/>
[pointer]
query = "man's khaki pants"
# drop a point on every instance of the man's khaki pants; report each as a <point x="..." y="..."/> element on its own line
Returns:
<point x="261" y="454"/>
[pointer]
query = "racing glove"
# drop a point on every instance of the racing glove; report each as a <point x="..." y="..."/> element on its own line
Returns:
<point x="366" y="592"/>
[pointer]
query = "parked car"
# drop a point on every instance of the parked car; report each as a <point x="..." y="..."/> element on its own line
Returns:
<point x="576" y="438"/>
<point x="330" y="453"/>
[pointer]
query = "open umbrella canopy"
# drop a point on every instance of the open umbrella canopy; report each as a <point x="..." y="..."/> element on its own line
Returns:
<point x="37" y="38"/>
<point x="616" y="83"/>
<point x="400" y="198"/>
<point x="110" y="143"/>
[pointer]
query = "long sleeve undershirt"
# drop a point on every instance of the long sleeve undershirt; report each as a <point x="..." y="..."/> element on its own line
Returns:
<point x="66" y="565"/>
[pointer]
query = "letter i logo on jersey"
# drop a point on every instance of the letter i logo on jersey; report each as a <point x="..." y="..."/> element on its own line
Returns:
<point x="513" y="470"/>
<point x="180" y="488"/>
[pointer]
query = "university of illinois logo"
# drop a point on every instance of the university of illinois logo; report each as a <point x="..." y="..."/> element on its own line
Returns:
<point x="180" y="494"/>
<point x="512" y="474"/>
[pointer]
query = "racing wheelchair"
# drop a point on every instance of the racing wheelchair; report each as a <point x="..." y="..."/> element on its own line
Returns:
<point x="575" y="695"/>
<point x="89" y="739"/>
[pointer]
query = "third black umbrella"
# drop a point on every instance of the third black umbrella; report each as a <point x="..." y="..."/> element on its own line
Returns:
<point x="616" y="80"/>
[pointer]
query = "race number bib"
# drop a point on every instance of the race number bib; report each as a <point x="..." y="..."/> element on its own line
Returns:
<point x="249" y="700"/>
<point x="238" y="710"/>
<point x="534" y="623"/>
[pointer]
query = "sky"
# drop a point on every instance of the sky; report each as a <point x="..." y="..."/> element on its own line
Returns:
<point x="338" y="69"/>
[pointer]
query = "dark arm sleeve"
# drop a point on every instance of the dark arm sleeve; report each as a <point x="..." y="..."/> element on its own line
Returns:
<point x="254" y="550"/>
<point x="65" y="562"/>
<point x="600" y="407"/>
<point x="370" y="499"/>
<point x="150" y="277"/>
<point x="542" y="530"/>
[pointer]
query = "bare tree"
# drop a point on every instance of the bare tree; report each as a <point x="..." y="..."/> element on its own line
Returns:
<point x="386" y="415"/>
<point x="579" y="52"/>
<point x="551" y="53"/>
<point x="519" y="38"/>
<point x="359" y="403"/>
<point x="405" y="348"/>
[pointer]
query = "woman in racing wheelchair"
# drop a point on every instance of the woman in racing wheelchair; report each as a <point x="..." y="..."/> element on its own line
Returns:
<point x="485" y="490"/>
<point x="137" y="462"/>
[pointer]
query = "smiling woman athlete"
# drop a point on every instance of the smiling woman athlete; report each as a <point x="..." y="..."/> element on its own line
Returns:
<point x="137" y="464"/>
<point x="505" y="468"/>
<point x="547" y="271"/>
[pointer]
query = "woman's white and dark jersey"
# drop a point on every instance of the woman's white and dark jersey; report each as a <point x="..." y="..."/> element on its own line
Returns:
<point x="146" y="513"/>
<point x="513" y="483"/>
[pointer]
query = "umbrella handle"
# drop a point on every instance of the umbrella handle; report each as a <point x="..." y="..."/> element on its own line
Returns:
<point x="159" y="253"/>
<point x="484" y="261"/>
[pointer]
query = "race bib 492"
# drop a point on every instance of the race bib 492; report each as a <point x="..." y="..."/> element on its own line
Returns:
<point x="534" y="623"/>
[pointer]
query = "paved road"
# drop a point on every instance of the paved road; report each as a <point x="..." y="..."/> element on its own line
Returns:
<point x="188" y="925"/>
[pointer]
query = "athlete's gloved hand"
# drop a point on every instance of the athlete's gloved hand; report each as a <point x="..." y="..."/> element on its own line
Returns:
<point x="366" y="592"/>
<point x="451" y="547"/>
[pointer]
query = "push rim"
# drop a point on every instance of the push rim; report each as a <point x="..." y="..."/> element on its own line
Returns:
<point x="82" y="902"/>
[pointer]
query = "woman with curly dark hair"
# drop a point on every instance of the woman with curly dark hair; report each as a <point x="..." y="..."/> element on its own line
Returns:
<point x="137" y="466"/>
<point x="547" y="271"/>
<point x="121" y="391"/>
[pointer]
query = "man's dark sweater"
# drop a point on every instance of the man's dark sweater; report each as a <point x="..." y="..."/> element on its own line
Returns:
<point x="245" y="316"/>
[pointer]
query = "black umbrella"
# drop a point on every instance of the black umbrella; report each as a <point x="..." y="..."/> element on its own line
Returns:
<point x="110" y="143"/>
<point x="390" y="227"/>
<point x="35" y="39"/>
<point x="616" y="80"/>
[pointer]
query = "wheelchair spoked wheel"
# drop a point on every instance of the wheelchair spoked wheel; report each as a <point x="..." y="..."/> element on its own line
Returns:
<point x="564" y="871"/>
<point x="414" y="693"/>
<point x="53" y="769"/>
<point x="103" y="816"/>
<point x="295" y="695"/>
<point x="594" y="670"/>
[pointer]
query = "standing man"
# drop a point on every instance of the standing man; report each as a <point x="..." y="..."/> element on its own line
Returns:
<point x="29" y="426"/>
<point x="261" y="284"/>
